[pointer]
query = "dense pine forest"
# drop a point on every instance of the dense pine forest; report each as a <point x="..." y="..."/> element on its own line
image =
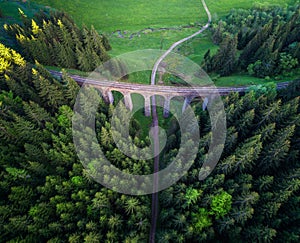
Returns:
<point x="253" y="195"/>
<point x="46" y="195"/>
<point x="55" y="40"/>
<point x="262" y="43"/>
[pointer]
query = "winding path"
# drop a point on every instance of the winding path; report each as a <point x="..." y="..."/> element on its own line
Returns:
<point x="154" y="71"/>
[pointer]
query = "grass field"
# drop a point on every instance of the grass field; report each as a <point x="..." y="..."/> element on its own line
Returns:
<point x="110" y="15"/>
<point x="237" y="80"/>
<point x="130" y="16"/>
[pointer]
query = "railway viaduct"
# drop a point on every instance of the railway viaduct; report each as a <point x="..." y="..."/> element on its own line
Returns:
<point x="147" y="91"/>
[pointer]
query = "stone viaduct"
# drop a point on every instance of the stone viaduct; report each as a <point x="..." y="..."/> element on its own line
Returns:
<point x="147" y="91"/>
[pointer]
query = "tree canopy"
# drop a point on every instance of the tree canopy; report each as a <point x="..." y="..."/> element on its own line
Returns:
<point x="48" y="196"/>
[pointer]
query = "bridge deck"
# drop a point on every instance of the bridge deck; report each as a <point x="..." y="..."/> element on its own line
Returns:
<point x="158" y="89"/>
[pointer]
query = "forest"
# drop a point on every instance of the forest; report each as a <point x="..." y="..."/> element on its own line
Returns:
<point x="262" y="43"/>
<point x="48" y="196"/>
<point x="253" y="194"/>
<point x="59" y="42"/>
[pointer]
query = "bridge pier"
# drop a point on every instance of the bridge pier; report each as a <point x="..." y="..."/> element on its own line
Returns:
<point x="147" y="106"/>
<point x="187" y="101"/>
<point x="167" y="106"/>
<point x="128" y="101"/>
<point x="108" y="96"/>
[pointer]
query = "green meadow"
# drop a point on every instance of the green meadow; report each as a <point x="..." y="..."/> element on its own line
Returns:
<point x="131" y="16"/>
<point x="108" y="15"/>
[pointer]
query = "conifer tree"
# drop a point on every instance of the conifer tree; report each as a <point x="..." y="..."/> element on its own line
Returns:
<point x="56" y="40"/>
<point x="224" y="62"/>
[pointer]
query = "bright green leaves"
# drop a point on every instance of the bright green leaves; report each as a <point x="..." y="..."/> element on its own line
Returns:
<point x="268" y="89"/>
<point x="35" y="27"/>
<point x="65" y="116"/>
<point x="221" y="204"/>
<point x="201" y="219"/>
<point x="287" y="63"/>
<point x="191" y="196"/>
<point x="131" y="205"/>
<point x="58" y="42"/>
<point x="77" y="180"/>
<point x="4" y="65"/>
<point x="16" y="173"/>
<point x="8" y="102"/>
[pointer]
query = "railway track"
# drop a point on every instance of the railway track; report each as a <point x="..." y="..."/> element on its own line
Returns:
<point x="159" y="89"/>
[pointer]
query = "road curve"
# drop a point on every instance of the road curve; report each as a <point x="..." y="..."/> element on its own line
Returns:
<point x="154" y="70"/>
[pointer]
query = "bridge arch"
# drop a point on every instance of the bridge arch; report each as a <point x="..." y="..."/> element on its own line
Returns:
<point x="109" y="91"/>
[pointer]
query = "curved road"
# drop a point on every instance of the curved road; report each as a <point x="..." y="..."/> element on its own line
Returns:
<point x="154" y="71"/>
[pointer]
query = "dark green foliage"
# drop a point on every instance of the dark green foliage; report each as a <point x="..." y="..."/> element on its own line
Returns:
<point x="268" y="42"/>
<point x="292" y="91"/>
<point x="55" y="40"/>
<point x="259" y="171"/>
<point x="201" y="220"/>
<point x="219" y="32"/>
<point x="224" y="62"/>
<point x="48" y="196"/>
